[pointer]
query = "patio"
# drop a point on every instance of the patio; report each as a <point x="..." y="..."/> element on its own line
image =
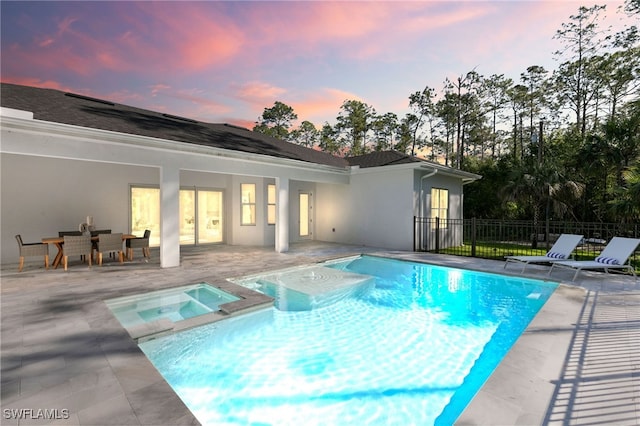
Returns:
<point x="577" y="363"/>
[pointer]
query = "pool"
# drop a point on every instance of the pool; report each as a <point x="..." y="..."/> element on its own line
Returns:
<point x="412" y="346"/>
<point x="174" y="304"/>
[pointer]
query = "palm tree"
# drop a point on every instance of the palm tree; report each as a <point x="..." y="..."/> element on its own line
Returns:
<point x="626" y="205"/>
<point x="543" y="187"/>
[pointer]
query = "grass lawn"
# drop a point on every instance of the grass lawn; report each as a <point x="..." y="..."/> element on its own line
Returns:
<point x="499" y="250"/>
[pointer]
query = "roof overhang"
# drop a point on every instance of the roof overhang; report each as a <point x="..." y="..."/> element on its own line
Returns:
<point x="465" y="177"/>
<point x="121" y="143"/>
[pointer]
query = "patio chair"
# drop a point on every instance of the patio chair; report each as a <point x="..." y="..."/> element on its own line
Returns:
<point x="95" y="233"/>
<point x="614" y="257"/>
<point x="75" y="234"/>
<point x="110" y="243"/>
<point x="32" y="250"/>
<point x="561" y="250"/>
<point x="76" y="245"/>
<point x="140" y="242"/>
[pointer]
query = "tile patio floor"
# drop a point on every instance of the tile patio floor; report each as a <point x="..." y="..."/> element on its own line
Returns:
<point x="577" y="363"/>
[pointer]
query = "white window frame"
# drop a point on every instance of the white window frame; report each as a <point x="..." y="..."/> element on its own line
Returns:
<point x="271" y="204"/>
<point x="248" y="203"/>
<point x="438" y="195"/>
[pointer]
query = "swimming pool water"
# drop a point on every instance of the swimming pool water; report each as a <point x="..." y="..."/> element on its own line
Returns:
<point x="413" y="350"/>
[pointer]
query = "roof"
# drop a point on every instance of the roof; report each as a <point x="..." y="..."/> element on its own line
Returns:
<point x="382" y="158"/>
<point x="392" y="158"/>
<point x="78" y="110"/>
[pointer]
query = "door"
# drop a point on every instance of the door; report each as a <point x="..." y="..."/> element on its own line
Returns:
<point x="201" y="218"/>
<point x="305" y="217"/>
<point x="210" y="217"/>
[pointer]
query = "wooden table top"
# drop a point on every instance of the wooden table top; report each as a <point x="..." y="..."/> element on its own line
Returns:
<point x="60" y="240"/>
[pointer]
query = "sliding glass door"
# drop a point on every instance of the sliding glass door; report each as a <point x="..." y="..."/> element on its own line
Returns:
<point x="201" y="215"/>
<point x="145" y="212"/>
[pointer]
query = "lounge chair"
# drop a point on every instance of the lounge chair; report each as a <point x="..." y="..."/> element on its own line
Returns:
<point x="614" y="256"/>
<point x="561" y="250"/>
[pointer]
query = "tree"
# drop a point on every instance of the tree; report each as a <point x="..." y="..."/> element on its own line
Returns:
<point x="446" y="110"/>
<point x="305" y="135"/>
<point x="534" y="79"/>
<point x="384" y="128"/>
<point x="354" y="122"/>
<point x="581" y="37"/>
<point x="421" y="103"/>
<point x="620" y="75"/>
<point x="404" y="135"/>
<point x="518" y="100"/>
<point x="495" y="95"/>
<point x="329" y="140"/>
<point x="626" y="204"/>
<point x="481" y="200"/>
<point x="542" y="187"/>
<point x="632" y="7"/>
<point x="275" y="121"/>
<point x="462" y="88"/>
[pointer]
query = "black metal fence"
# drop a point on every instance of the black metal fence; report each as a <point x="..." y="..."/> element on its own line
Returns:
<point x="494" y="239"/>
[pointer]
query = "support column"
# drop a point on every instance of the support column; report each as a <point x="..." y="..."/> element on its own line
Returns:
<point x="169" y="217"/>
<point x="282" y="215"/>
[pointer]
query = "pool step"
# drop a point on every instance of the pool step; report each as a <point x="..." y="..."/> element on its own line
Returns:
<point x="149" y="328"/>
<point x="313" y="287"/>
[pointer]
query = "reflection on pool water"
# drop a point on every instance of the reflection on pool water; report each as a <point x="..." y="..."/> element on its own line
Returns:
<point x="412" y="349"/>
<point x="175" y="304"/>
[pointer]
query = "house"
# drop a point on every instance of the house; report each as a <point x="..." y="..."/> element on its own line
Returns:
<point x="65" y="157"/>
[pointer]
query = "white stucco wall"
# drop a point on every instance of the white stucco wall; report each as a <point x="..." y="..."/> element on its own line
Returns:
<point x="453" y="185"/>
<point x="333" y="221"/>
<point x="375" y="209"/>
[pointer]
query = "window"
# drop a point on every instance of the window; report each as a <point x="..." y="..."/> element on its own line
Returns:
<point x="271" y="204"/>
<point x="440" y="206"/>
<point x="248" y="196"/>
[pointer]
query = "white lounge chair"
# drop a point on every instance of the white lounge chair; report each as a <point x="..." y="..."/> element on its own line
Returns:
<point x="614" y="256"/>
<point x="561" y="250"/>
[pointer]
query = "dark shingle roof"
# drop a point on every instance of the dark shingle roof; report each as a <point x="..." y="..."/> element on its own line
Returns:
<point x="382" y="158"/>
<point x="57" y="106"/>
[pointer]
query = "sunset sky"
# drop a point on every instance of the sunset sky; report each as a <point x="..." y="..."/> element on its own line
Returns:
<point x="226" y="61"/>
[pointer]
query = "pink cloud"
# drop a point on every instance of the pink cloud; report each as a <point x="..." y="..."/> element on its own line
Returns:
<point x="321" y="105"/>
<point x="157" y="39"/>
<point x="258" y="92"/>
<point x="436" y="18"/>
<point x="35" y="82"/>
<point x="188" y="36"/>
<point x="357" y="30"/>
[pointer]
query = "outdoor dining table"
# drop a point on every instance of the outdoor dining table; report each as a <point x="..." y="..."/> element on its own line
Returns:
<point x="59" y="242"/>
